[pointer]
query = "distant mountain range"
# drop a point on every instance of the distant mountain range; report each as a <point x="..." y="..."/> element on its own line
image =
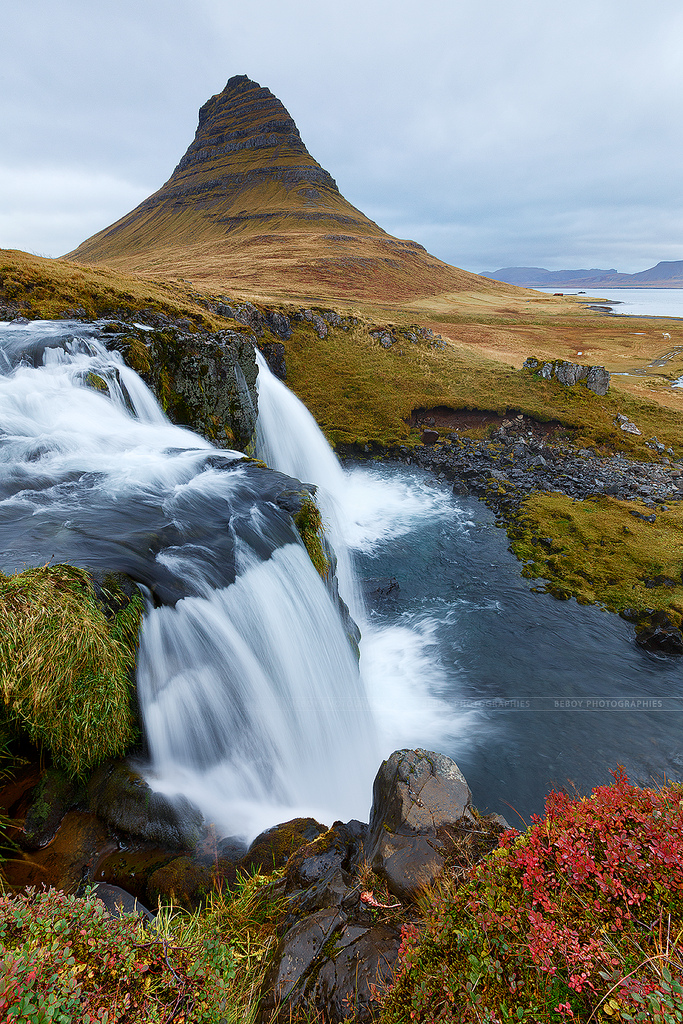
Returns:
<point x="667" y="274"/>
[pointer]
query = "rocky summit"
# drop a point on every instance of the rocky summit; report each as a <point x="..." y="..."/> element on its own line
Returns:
<point x="248" y="208"/>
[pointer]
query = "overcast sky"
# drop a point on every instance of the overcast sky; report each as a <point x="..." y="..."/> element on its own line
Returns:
<point x="495" y="133"/>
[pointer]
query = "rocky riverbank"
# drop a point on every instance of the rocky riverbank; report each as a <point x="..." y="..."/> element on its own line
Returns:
<point x="522" y="456"/>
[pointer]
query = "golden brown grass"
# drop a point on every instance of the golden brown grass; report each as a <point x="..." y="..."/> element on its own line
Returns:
<point x="65" y="669"/>
<point x="53" y="289"/>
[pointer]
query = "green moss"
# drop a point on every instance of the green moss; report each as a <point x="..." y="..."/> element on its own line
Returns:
<point x="65" y="668"/>
<point x="310" y="526"/>
<point x="93" y="380"/>
<point x="598" y="551"/>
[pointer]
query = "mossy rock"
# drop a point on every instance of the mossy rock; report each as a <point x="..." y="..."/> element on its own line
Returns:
<point x="272" y="848"/>
<point x="53" y="796"/>
<point x="186" y="884"/>
<point x="205" y="381"/>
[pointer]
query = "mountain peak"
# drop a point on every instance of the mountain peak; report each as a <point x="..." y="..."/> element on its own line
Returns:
<point x="248" y="207"/>
<point x="245" y="116"/>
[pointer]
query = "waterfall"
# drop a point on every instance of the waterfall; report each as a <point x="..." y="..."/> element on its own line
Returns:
<point x="362" y="511"/>
<point x="288" y="439"/>
<point x="251" y="698"/>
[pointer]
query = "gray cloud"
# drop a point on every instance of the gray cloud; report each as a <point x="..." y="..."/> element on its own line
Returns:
<point x="494" y="134"/>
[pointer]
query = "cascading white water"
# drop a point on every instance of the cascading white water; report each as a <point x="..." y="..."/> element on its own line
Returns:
<point x="288" y="439"/>
<point x="251" y="697"/>
<point x="400" y="671"/>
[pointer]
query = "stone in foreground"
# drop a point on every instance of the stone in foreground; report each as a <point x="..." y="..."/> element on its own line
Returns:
<point x="417" y="796"/>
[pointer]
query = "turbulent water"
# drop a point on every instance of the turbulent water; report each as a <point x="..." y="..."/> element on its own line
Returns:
<point x="250" y="692"/>
<point x="459" y="654"/>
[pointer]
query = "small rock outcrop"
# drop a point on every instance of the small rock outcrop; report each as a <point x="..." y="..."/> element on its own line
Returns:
<point x="343" y="941"/>
<point x="120" y="797"/>
<point x="418" y="796"/>
<point x="272" y="848"/>
<point x="335" y="951"/>
<point x="596" y="377"/>
<point x="625" y="424"/>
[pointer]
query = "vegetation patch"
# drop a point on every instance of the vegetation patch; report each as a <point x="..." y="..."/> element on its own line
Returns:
<point x="65" y="958"/>
<point x="49" y="289"/>
<point x="580" y="918"/>
<point x="309" y="523"/>
<point x="620" y="554"/>
<point x="361" y="392"/>
<point x="65" y="668"/>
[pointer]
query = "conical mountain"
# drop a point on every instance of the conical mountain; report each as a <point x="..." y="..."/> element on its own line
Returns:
<point x="249" y="209"/>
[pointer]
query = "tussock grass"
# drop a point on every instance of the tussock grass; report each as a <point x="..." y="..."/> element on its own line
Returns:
<point x="65" y="669"/>
<point x="240" y="923"/>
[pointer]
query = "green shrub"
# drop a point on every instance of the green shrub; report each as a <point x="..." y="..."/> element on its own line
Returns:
<point x="580" y="918"/>
<point x="65" y="959"/>
<point x="65" y="668"/>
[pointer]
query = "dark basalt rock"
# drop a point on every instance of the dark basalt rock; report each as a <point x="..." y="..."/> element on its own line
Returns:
<point x="659" y="635"/>
<point x="330" y="851"/>
<point x="417" y="796"/>
<point x="596" y="377"/>
<point x="186" y="883"/>
<point x="120" y="796"/>
<point x="203" y="380"/>
<point x="49" y="801"/>
<point x="279" y="325"/>
<point x="119" y="902"/>
<point x="329" y="965"/>
<point x="274" y="354"/>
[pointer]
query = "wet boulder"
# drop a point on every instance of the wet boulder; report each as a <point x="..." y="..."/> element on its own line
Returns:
<point x="272" y="848"/>
<point x="320" y="874"/>
<point x="336" y="848"/>
<point x="53" y="796"/>
<point x="120" y="902"/>
<point x="121" y="797"/>
<point x="187" y="884"/>
<point x="274" y="354"/>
